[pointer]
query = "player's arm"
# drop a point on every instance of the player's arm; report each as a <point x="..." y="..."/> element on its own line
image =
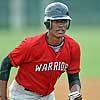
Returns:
<point x="4" y="76"/>
<point x="74" y="86"/>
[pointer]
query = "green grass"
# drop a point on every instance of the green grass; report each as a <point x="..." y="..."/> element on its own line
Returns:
<point x="88" y="38"/>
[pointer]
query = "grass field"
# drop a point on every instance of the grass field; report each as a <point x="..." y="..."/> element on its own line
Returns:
<point x="88" y="37"/>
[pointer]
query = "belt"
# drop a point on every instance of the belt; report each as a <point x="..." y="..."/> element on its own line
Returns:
<point x="31" y="91"/>
<point x="20" y="86"/>
<point x="27" y="89"/>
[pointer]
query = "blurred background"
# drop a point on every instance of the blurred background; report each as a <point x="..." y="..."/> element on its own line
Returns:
<point x="21" y="18"/>
<point x="20" y="14"/>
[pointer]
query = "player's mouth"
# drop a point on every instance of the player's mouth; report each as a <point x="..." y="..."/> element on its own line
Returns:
<point x="60" y="31"/>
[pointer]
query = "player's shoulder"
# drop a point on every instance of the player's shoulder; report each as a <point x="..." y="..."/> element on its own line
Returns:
<point x="72" y="42"/>
<point x="34" y="39"/>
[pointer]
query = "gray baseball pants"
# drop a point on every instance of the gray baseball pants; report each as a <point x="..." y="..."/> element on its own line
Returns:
<point x="17" y="92"/>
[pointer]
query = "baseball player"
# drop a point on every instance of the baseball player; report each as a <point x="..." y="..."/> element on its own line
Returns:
<point x="42" y="59"/>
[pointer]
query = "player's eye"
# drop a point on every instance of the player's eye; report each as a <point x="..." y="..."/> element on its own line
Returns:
<point x="63" y="21"/>
<point x="60" y="21"/>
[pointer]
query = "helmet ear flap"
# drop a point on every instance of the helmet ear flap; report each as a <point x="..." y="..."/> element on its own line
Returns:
<point x="48" y="24"/>
<point x="68" y="25"/>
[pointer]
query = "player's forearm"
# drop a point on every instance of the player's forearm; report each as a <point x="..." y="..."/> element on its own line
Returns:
<point x="74" y="82"/>
<point x="3" y="89"/>
<point x="4" y="76"/>
<point x="74" y="86"/>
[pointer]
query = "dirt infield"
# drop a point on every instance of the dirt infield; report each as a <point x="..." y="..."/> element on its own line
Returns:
<point x="90" y="89"/>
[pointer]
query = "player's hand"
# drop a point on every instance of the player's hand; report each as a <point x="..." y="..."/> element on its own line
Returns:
<point x="75" y="96"/>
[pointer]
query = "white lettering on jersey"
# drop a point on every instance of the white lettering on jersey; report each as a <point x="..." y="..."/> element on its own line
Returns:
<point x="52" y="66"/>
<point x="44" y="67"/>
<point x="38" y="67"/>
<point x="55" y="66"/>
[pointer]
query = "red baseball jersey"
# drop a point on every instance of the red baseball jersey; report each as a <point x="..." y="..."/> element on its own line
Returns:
<point x="40" y="66"/>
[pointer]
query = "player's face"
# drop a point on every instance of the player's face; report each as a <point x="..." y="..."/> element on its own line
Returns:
<point x="58" y="28"/>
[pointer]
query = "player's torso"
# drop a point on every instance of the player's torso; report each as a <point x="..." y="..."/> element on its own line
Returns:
<point x="42" y="66"/>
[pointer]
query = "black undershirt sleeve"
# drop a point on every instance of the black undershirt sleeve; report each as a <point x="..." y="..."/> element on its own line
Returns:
<point x="73" y="79"/>
<point x="5" y="68"/>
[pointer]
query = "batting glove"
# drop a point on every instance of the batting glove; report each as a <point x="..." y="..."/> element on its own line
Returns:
<point x="75" y="96"/>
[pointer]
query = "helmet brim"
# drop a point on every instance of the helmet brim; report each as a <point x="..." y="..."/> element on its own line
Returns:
<point x="56" y="18"/>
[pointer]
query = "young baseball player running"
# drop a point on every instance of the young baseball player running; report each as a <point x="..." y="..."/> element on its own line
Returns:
<point x="42" y="59"/>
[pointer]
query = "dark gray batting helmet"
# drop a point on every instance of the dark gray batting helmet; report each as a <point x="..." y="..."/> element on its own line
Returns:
<point x="56" y="11"/>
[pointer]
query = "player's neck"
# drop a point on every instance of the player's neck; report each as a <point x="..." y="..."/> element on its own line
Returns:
<point x="53" y="40"/>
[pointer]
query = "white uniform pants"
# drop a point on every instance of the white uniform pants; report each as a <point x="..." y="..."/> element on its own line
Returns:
<point x="17" y="92"/>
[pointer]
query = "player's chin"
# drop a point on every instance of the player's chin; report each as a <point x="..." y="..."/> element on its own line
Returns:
<point x="60" y="35"/>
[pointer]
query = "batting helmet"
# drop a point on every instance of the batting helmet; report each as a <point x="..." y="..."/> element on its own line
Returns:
<point x="56" y="11"/>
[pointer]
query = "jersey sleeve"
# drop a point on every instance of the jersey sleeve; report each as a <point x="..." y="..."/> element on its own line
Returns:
<point x="74" y="66"/>
<point x="17" y="55"/>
